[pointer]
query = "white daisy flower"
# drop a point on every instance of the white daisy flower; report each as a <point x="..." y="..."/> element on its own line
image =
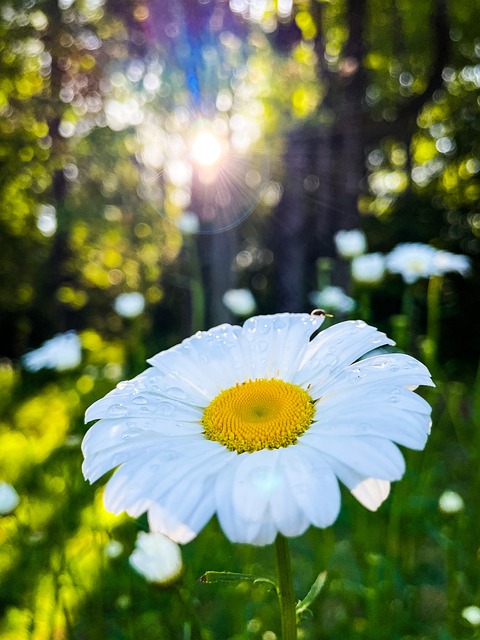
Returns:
<point x="351" y="243"/>
<point x="369" y="268"/>
<point x="157" y="558"/>
<point x="257" y="424"/>
<point x="412" y="260"/>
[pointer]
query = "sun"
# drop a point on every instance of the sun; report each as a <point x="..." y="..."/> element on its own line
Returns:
<point x="206" y="149"/>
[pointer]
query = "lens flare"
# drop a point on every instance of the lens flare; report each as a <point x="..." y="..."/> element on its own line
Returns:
<point x="206" y="149"/>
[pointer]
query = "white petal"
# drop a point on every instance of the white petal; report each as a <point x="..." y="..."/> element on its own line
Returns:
<point x="273" y="346"/>
<point x="379" y="410"/>
<point x="368" y="456"/>
<point x="314" y="485"/>
<point x="108" y="433"/>
<point x="179" y="489"/>
<point x="117" y="404"/>
<point x="185" y="510"/>
<point x="371" y="492"/>
<point x="335" y="348"/>
<point x="234" y="526"/>
<point x="256" y="480"/>
<point x="210" y="360"/>
<point x="394" y="368"/>
<point x="227" y="516"/>
<point x="99" y="460"/>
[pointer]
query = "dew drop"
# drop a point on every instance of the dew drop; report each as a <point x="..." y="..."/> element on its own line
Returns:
<point x="177" y="393"/>
<point x="139" y="400"/>
<point x="132" y="433"/>
<point x="262" y="345"/>
<point x="165" y="408"/>
<point x="118" y="410"/>
<point x="265" y="328"/>
<point x="145" y="409"/>
<point x="360" y="324"/>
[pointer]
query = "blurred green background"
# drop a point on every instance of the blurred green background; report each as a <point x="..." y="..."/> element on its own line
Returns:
<point x="321" y="116"/>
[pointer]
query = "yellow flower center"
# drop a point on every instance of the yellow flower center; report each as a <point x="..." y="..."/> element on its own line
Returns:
<point x="258" y="414"/>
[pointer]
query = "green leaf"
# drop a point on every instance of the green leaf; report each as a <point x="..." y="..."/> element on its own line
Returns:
<point x="317" y="586"/>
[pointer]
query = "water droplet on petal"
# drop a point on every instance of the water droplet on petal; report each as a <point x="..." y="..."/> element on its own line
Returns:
<point x="132" y="433"/>
<point x="118" y="410"/>
<point x="165" y="408"/>
<point x="360" y="324"/>
<point x="265" y="328"/>
<point x="262" y="345"/>
<point x="177" y="393"/>
<point x="139" y="400"/>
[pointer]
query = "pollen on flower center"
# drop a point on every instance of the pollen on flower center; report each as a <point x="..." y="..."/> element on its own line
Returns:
<point x="258" y="414"/>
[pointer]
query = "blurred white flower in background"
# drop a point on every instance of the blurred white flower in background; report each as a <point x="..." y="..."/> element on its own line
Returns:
<point x="445" y="262"/>
<point x="451" y="502"/>
<point x="8" y="498"/>
<point x="62" y="352"/>
<point x="240" y="302"/>
<point x="350" y="244"/>
<point x="113" y="549"/>
<point x="415" y="260"/>
<point x="412" y="260"/>
<point x="472" y="615"/>
<point x="332" y="299"/>
<point x="188" y="223"/>
<point x="368" y="268"/>
<point x="129" y="305"/>
<point x="157" y="558"/>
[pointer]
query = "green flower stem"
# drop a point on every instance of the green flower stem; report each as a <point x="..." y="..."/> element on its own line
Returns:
<point x="286" y="595"/>
<point x="434" y="295"/>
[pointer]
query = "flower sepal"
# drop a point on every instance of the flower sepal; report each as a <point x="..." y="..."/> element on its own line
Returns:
<point x="229" y="576"/>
